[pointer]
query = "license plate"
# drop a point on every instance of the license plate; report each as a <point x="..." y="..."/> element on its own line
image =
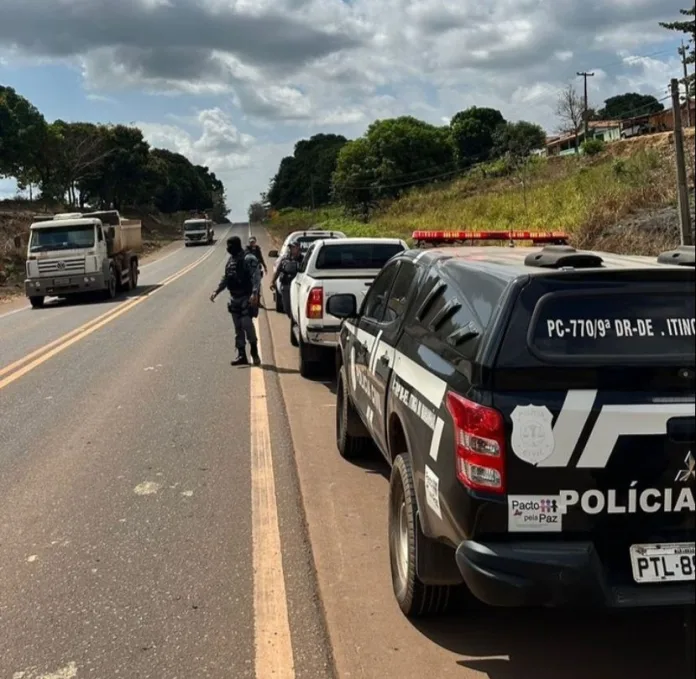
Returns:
<point x="61" y="282"/>
<point x="672" y="562"/>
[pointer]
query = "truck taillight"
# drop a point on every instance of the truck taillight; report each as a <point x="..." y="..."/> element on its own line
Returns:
<point x="479" y="444"/>
<point x="315" y="303"/>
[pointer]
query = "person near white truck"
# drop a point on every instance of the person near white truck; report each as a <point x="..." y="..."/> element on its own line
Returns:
<point x="77" y="253"/>
<point x="331" y="267"/>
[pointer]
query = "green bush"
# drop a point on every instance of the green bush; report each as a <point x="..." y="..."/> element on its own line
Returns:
<point x="591" y="147"/>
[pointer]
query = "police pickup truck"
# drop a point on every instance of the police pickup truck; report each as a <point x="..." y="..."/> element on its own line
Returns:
<point x="536" y="405"/>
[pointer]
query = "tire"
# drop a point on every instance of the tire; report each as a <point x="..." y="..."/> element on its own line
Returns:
<point x="134" y="275"/>
<point x="37" y="301"/>
<point x="110" y="291"/>
<point x="293" y="339"/>
<point x="414" y="598"/>
<point x="349" y="446"/>
<point x="308" y="367"/>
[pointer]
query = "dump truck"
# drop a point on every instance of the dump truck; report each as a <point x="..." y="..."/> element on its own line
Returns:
<point x="76" y="253"/>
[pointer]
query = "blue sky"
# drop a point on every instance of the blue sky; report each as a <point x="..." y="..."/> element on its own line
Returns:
<point x="233" y="84"/>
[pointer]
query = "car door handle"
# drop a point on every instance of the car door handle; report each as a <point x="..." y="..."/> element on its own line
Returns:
<point x="384" y="358"/>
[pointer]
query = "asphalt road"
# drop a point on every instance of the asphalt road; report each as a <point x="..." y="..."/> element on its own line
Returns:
<point x="164" y="515"/>
<point x="137" y="537"/>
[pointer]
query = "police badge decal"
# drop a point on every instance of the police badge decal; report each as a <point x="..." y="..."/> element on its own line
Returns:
<point x="532" y="435"/>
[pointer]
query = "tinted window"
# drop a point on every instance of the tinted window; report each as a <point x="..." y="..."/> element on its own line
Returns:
<point x="357" y="255"/>
<point x="306" y="241"/>
<point x="396" y="306"/>
<point x="375" y="303"/>
<point x="614" y="324"/>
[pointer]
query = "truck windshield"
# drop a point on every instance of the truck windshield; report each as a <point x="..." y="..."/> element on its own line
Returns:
<point x="61" y="238"/>
<point x="194" y="226"/>
<point x="357" y="255"/>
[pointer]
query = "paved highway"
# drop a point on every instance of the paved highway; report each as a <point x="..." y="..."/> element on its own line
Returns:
<point x="164" y="515"/>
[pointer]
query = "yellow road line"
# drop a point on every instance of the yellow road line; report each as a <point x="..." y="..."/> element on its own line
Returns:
<point x="47" y="351"/>
<point x="272" y="640"/>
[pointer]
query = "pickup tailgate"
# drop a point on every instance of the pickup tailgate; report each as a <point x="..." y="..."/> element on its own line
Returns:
<point x="595" y="382"/>
<point x="342" y="282"/>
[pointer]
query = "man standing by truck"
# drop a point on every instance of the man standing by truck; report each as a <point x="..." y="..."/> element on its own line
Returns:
<point x="287" y="270"/>
<point x="242" y="278"/>
<point x="255" y="250"/>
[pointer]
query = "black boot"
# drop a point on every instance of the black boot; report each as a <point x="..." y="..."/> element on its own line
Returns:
<point x="254" y="351"/>
<point x="241" y="358"/>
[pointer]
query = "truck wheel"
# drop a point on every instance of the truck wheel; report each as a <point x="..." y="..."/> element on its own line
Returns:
<point x="110" y="291"/>
<point x="347" y="421"/>
<point x="414" y="598"/>
<point x="133" y="275"/>
<point x="293" y="338"/>
<point x="37" y="302"/>
<point x="308" y="367"/>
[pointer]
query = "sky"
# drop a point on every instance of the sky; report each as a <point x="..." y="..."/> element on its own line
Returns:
<point x="234" y="84"/>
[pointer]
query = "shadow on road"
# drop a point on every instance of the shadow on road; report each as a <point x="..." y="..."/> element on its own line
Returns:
<point x="93" y="299"/>
<point x="543" y="644"/>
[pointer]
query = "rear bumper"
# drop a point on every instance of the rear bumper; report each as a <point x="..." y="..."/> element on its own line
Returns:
<point x="64" y="285"/>
<point x="562" y="574"/>
<point x="323" y="336"/>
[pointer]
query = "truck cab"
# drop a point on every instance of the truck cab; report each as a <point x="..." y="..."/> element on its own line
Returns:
<point x="197" y="231"/>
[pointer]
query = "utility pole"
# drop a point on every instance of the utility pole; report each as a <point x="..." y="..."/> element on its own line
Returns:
<point x="682" y="54"/>
<point x="585" y="76"/>
<point x="682" y="190"/>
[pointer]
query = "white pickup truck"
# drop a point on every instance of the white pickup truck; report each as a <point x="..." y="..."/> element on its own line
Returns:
<point x="331" y="267"/>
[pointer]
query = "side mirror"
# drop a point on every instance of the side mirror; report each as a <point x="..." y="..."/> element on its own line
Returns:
<point x="342" y="306"/>
<point x="273" y="254"/>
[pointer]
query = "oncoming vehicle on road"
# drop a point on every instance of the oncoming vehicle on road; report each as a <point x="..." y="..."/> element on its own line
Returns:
<point x="331" y="267"/>
<point x="305" y="239"/>
<point x="536" y="406"/>
<point x="197" y="231"/>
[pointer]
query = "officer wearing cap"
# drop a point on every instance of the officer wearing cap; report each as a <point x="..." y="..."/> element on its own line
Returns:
<point x="243" y="279"/>
<point x="286" y="270"/>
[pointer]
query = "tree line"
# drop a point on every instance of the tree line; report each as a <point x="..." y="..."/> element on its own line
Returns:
<point x="396" y="154"/>
<point x="98" y="166"/>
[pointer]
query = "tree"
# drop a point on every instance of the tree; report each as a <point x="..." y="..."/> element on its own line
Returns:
<point x="569" y="108"/>
<point x="689" y="28"/>
<point x="518" y="140"/>
<point x="257" y="212"/>
<point x="393" y="156"/>
<point x="304" y="179"/>
<point x="472" y="133"/>
<point x="628" y="105"/>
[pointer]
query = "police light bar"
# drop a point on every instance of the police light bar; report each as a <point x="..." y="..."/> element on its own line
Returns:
<point x="456" y="236"/>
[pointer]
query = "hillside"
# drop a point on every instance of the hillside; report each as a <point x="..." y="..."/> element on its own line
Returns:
<point x="16" y="216"/>
<point x="621" y="200"/>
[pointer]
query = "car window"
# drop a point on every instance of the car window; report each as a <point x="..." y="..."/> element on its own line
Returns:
<point x="357" y="255"/>
<point x="399" y="292"/>
<point x="375" y="303"/>
<point x="305" y="258"/>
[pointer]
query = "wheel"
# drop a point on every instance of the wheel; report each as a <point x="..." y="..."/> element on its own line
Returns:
<point x="293" y="338"/>
<point x="110" y="291"/>
<point x="414" y="598"/>
<point x="308" y="367"/>
<point x="134" y="274"/>
<point x="37" y="301"/>
<point x="349" y="445"/>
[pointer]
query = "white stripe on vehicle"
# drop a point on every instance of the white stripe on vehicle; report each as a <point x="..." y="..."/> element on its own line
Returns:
<point x="615" y="421"/>
<point x="569" y="425"/>
<point x="431" y="387"/>
<point x="373" y="356"/>
<point x="437" y="437"/>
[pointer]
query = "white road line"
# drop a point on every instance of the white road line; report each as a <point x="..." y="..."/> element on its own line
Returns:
<point x="272" y="640"/>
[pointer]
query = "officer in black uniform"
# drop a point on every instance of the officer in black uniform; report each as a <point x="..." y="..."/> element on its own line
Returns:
<point x="255" y="250"/>
<point x="286" y="271"/>
<point x="243" y="279"/>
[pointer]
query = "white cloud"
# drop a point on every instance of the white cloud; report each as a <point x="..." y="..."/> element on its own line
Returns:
<point x="296" y="67"/>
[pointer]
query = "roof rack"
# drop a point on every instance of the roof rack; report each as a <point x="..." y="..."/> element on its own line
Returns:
<point x="684" y="255"/>
<point x="443" y="237"/>
<point x="562" y="256"/>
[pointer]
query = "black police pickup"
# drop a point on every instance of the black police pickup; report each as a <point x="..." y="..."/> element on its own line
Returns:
<point x="536" y="405"/>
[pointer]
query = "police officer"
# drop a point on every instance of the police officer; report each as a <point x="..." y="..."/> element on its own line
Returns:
<point x="243" y="279"/>
<point x="255" y="250"/>
<point x="286" y="271"/>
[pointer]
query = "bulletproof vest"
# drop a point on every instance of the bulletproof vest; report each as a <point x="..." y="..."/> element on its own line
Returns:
<point x="238" y="279"/>
<point x="290" y="267"/>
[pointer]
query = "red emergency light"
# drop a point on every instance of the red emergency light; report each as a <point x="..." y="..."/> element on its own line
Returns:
<point x="557" y="237"/>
